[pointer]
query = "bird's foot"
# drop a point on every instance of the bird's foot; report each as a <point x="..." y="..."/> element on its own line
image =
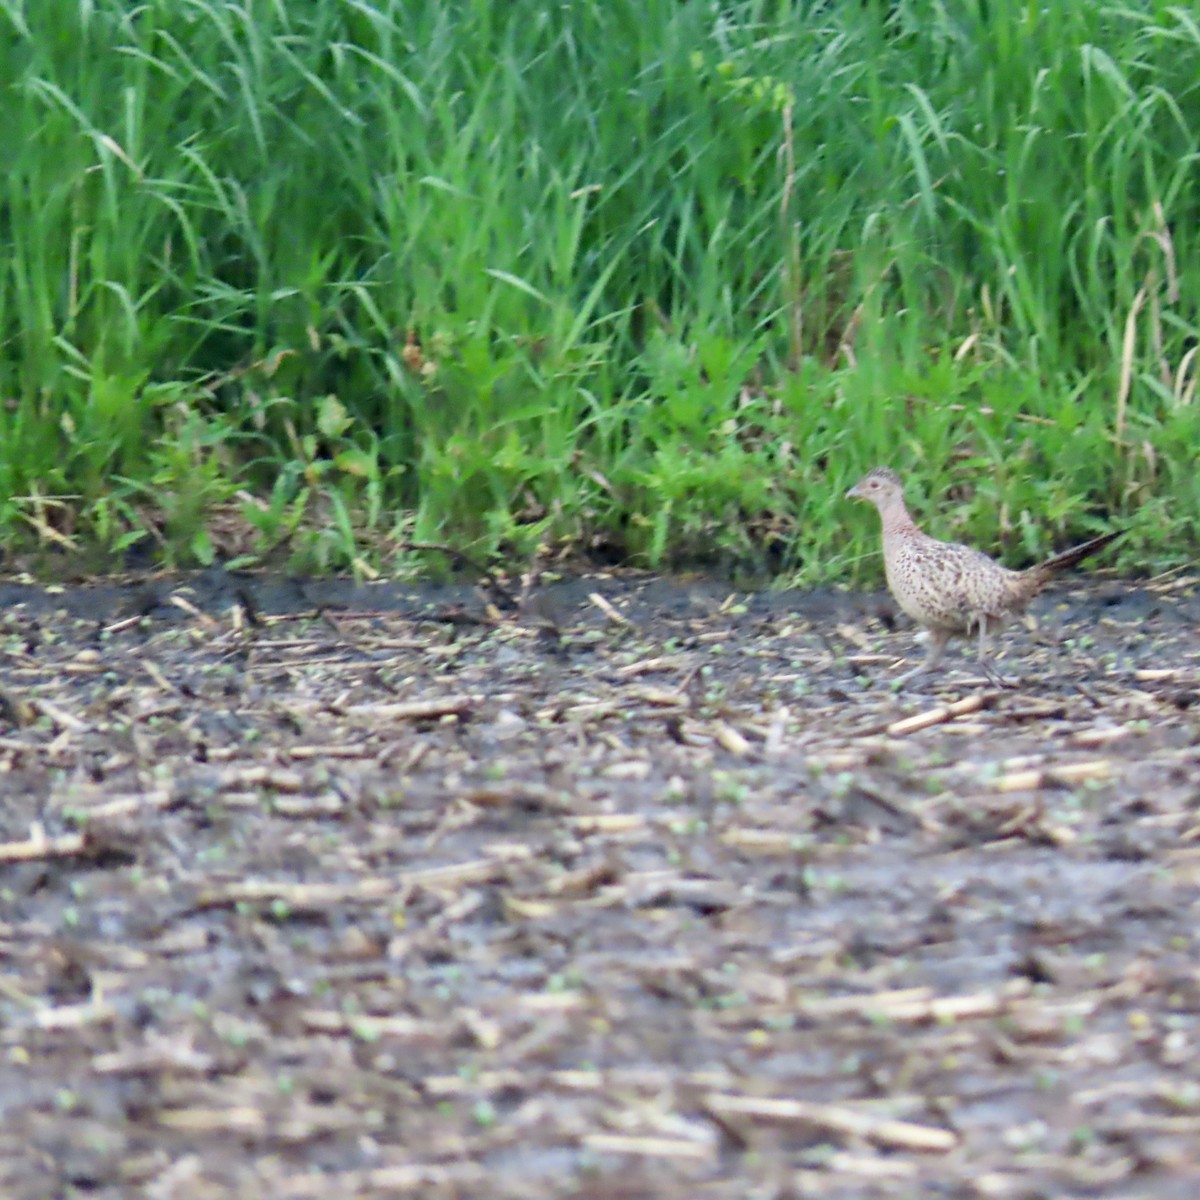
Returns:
<point x="996" y="679"/>
<point x="901" y="681"/>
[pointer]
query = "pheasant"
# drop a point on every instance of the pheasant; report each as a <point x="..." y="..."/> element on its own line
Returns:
<point x="948" y="588"/>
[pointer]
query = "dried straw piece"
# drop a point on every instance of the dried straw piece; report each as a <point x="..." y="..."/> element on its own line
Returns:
<point x="1064" y="775"/>
<point x="413" y="710"/>
<point x="38" y="846"/>
<point x="650" y="1147"/>
<point x="833" y="1118"/>
<point x="939" y="715"/>
<point x="607" y="609"/>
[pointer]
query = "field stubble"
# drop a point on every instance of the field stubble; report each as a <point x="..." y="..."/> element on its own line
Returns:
<point x="636" y="887"/>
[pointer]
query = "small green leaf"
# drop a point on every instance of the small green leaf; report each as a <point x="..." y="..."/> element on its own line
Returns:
<point x="332" y="418"/>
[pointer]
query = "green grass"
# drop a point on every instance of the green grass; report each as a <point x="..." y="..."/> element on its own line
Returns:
<point x="341" y="276"/>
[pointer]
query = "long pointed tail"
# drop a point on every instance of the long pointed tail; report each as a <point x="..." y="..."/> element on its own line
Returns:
<point x="1029" y="582"/>
<point x="1068" y="558"/>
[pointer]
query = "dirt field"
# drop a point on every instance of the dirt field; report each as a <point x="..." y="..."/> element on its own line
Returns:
<point x="655" y="889"/>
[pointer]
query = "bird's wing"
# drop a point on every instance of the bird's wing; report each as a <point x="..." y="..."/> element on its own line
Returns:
<point x="947" y="583"/>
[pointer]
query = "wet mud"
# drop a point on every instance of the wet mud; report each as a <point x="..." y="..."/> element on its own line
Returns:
<point x="615" y="887"/>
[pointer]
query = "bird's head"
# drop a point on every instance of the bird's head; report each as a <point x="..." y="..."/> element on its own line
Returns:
<point x="881" y="486"/>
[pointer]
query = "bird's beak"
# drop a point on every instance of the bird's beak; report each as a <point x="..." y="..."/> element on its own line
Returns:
<point x="853" y="493"/>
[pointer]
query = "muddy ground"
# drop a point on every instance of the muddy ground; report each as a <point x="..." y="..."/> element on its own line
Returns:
<point x="652" y="888"/>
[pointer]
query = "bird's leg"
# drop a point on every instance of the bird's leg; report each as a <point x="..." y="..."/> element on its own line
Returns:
<point x="937" y="647"/>
<point x="985" y="659"/>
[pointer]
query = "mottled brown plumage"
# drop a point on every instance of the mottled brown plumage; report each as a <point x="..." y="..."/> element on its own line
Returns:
<point x="948" y="588"/>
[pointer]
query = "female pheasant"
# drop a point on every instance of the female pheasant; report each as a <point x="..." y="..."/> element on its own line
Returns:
<point x="948" y="588"/>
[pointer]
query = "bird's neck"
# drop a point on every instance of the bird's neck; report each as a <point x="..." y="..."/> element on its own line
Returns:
<point x="895" y="518"/>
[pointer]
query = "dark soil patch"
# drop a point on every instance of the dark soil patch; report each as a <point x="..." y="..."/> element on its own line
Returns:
<point x="646" y="889"/>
